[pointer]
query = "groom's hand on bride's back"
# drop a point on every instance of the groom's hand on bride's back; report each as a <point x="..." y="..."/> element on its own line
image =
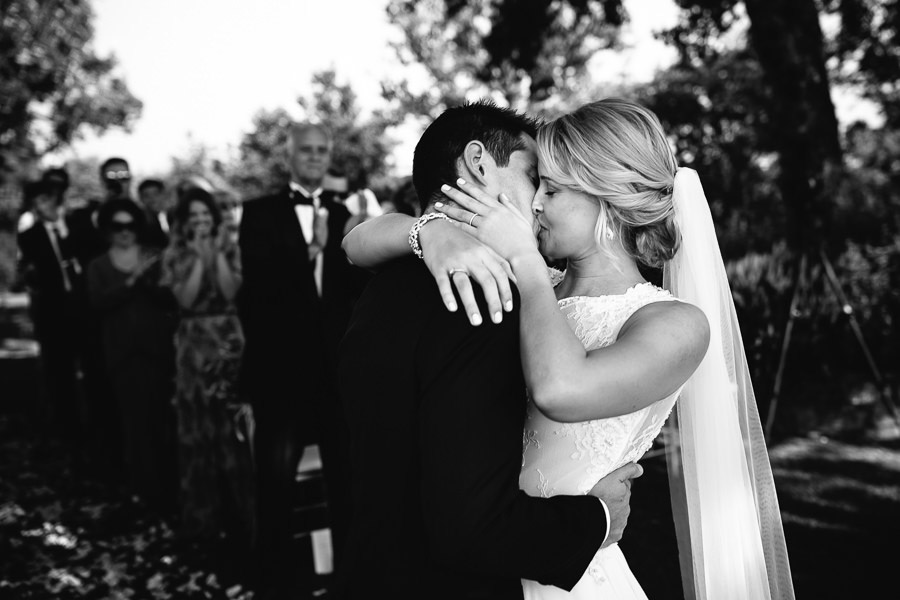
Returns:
<point x="615" y="491"/>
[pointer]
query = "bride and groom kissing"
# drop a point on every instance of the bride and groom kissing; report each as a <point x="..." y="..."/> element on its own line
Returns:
<point x="494" y="460"/>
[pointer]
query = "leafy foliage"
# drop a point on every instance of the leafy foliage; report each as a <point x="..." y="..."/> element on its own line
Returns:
<point x="361" y="146"/>
<point x="52" y="84"/>
<point x="748" y="104"/>
<point x="530" y="54"/>
<point x="865" y="50"/>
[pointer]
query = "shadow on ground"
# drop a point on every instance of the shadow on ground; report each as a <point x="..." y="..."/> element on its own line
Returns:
<point x="65" y="534"/>
<point x="840" y="502"/>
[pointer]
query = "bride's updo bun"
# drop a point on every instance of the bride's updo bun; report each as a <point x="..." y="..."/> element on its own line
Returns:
<point x="616" y="151"/>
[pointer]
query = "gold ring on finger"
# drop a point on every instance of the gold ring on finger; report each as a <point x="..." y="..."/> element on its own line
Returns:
<point x="472" y="220"/>
<point x="452" y="271"/>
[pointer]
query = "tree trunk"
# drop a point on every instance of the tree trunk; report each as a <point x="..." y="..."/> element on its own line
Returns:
<point x="788" y="40"/>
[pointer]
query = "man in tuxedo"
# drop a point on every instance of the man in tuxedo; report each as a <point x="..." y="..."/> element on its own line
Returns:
<point x="152" y="198"/>
<point x="436" y="409"/>
<point x="58" y="179"/>
<point x="55" y="282"/>
<point x="115" y="176"/>
<point x="296" y="300"/>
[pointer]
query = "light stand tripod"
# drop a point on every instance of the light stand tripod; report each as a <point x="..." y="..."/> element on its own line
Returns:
<point x="800" y="295"/>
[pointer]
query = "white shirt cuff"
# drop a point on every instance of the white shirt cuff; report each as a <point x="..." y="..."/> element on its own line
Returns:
<point x="608" y="524"/>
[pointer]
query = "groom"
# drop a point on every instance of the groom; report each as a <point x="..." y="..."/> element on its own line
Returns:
<point x="436" y="410"/>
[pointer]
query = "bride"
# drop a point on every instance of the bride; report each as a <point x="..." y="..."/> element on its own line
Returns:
<point x="608" y="355"/>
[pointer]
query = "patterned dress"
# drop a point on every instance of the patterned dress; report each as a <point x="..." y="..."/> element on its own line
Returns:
<point x="214" y="430"/>
<point x="570" y="458"/>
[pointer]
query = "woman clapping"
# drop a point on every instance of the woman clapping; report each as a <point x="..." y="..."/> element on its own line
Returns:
<point x="202" y="267"/>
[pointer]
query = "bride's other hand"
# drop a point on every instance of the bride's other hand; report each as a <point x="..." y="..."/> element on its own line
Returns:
<point x="615" y="491"/>
<point x="453" y="256"/>
<point x="499" y="223"/>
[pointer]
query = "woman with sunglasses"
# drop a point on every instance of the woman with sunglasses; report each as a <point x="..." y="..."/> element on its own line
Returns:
<point x="137" y="322"/>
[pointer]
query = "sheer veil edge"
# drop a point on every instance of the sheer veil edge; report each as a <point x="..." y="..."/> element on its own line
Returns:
<point x="727" y="520"/>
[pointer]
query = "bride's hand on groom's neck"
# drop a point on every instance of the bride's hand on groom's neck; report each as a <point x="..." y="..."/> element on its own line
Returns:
<point x="615" y="491"/>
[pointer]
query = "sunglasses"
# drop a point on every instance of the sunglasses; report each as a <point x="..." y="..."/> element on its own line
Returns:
<point x="117" y="226"/>
<point x="117" y="175"/>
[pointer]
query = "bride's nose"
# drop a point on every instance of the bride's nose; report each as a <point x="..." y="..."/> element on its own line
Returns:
<point x="537" y="206"/>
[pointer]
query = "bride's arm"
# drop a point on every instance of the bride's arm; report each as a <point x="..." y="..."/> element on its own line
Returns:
<point x="444" y="247"/>
<point x="658" y="348"/>
<point x="379" y="240"/>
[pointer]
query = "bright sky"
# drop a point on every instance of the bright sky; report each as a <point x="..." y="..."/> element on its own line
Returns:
<point x="203" y="68"/>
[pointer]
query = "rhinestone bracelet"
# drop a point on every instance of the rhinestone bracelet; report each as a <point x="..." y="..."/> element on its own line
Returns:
<point x="417" y="226"/>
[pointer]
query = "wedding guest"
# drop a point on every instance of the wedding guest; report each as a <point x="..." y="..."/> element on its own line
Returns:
<point x="55" y="177"/>
<point x="55" y="284"/>
<point x="298" y="294"/>
<point x="136" y="324"/>
<point x="203" y="269"/>
<point x="362" y="203"/>
<point x="230" y="207"/>
<point x="152" y="197"/>
<point x="190" y="182"/>
<point x="115" y="177"/>
<point x="88" y="243"/>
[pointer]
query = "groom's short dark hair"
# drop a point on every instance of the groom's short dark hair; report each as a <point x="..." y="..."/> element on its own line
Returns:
<point x="434" y="160"/>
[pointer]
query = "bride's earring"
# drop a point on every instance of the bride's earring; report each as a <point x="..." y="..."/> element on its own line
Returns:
<point x="606" y="229"/>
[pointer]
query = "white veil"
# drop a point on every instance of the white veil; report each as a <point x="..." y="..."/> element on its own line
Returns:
<point x="730" y="537"/>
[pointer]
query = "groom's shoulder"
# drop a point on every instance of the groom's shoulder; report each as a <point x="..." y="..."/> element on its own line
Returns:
<point x="406" y="276"/>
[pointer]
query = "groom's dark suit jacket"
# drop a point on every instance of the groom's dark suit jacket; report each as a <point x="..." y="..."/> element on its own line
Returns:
<point x="436" y="409"/>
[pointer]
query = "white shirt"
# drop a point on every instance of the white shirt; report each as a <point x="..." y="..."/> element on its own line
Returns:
<point x="306" y="216"/>
<point x="163" y="221"/>
<point x="373" y="207"/>
<point x="55" y="231"/>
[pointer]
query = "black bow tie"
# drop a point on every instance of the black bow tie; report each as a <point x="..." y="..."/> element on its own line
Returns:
<point x="299" y="198"/>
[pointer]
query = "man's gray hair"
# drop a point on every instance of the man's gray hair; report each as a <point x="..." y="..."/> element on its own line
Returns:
<point x="301" y="127"/>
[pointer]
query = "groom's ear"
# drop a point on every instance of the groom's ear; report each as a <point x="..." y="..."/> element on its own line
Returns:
<point x="475" y="162"/>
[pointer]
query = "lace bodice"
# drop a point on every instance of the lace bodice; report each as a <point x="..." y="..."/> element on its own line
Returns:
<point x="569" y="458"/>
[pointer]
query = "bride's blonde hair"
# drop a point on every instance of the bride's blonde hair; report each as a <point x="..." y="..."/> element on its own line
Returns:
<point x="616" y="151"/>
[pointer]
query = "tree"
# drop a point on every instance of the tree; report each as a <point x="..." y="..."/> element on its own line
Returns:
<point x="360" y="145"/>
<point x="788" y="42"/>
<point x="52" y="83"/>
<point x="529" y="54"/>
<point x="718" y="115"/>
<point x="546" y="44"/>
<point x="864" y="52"/>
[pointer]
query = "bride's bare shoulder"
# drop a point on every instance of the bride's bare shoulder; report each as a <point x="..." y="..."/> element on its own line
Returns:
<point x="680" y="325"/>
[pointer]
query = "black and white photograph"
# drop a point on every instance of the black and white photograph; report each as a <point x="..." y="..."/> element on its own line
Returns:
<point x="449" y="299"/>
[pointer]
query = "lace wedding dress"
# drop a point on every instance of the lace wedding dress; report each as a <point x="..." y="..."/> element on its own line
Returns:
<point x="569" y="458"/>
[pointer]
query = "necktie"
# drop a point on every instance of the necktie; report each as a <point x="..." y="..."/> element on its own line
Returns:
<point x="57" y="243"/>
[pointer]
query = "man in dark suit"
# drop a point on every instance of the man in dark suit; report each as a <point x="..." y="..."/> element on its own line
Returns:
<point x="55" y="281"/>
<point x="152" y="198"/>
<point x="295" y="303"/>
<point x="436" y="409"/>
<point x="115" y="176"/>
